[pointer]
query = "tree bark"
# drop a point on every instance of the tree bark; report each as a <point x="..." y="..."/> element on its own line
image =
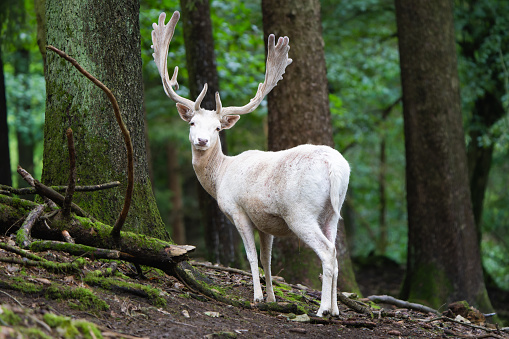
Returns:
<point x="221" y="237"/>
<point x="104" y="38"/>
<point x="299" y="113"/>
<point x="177" y="209"/>
<point x="443" y="261"/>
<point x="5" y="164"/>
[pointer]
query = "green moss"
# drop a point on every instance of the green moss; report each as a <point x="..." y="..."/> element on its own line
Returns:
<point x="153" y="294"/>
<point x="68" y="328"/>
<point x="34" y="333"/>
<point x="8" y="317"/>
<point x="85" y="298"/>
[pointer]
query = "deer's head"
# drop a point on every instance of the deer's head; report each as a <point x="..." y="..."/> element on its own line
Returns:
<point x="205" y="124"/>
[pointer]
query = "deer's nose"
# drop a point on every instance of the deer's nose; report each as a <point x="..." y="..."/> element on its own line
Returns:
<point x="202" y="142"/>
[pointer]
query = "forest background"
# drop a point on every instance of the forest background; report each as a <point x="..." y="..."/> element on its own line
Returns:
<point x="363" y="68"/>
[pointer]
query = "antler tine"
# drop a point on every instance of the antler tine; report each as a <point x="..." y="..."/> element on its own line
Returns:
<point x="161" y="38"/>
<point x="277" y="61"/>
<point x="200" y="97"/>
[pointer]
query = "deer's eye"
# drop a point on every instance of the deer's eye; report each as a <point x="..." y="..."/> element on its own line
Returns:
<point x="191" y="123"/>
<point x="218" y="129"/>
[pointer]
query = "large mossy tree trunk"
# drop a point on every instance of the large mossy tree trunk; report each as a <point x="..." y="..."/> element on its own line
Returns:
<point x="104" y="37"/>
<point x="298" y="114"/>
<point x="221" y="237"/>
<point x="444" y="262"/>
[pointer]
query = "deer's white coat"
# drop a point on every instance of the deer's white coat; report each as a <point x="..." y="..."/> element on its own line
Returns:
<point x="297" y="191"/>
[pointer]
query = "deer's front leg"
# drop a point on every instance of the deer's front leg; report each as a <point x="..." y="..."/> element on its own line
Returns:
<point x="245" y="228"/>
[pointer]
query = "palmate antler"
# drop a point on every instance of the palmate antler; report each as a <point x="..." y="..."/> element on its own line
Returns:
<point x="277" y="61"/>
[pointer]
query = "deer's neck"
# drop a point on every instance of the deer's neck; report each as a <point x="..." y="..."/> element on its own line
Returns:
<point x="208" y="167"/>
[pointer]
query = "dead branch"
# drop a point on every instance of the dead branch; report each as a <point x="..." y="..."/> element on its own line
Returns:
<point x="49" y="193"/>
<point x="357" y="307"/>
<point x="127" y="139"/>
<point x="386" y="299"/>
<point x="23" y="237"/>
<point x="66" y="206"/>
<point x="31" y="181"/>
<point x="220" y="268"/>
<point x="6" y="190"/>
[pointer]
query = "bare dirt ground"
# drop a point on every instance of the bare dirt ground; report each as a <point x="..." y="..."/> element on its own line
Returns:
<point x="190" y="315"/>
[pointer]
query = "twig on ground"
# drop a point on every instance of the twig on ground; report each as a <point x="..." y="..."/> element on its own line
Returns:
<point x="127" y="139"/>
<point x="23" y="237"/>
<point x="219" y="268"/>
<point x="386" y="299"/>
<point x="66" y="206"/>
<point x="10" y="296"/>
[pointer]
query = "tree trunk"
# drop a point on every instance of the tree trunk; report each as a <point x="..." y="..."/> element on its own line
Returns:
<point x="443" y="261"/>
<point x="177" y="209"/>
<point x="24" y="128"/>
<point x="221" y="237"/>
<point x="104" y="37"/>
<point x="299" y="113"/>
<point x="5" y="164"/>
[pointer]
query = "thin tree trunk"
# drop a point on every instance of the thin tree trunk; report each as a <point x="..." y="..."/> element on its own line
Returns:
<point x="177" y="212"/>
<point x="221" y="237"/>
<point x="5" y="163"/>
<point x="444" y="262"/>
<point x="383" y="233"/>
<point x="298" y="114"/>
<point x="24" y="128"/>
<point x="104" y="37"/>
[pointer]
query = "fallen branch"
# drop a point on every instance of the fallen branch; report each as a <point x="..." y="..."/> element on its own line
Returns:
<point x="51" y="266"/>
<point x="31" y="181"/>
<point x="220" y="268"/>
<point x="23" y="238"/>
<point x="386" y="299"/>
<point x="61" y="189"/>
<point x="79" y="250"/>
<point x="141" y="249"/>
<point x="357" y="307"/>
<point x="127" y="139"/>
<point x="66" y="206"/>
<point x="47" y="192"/>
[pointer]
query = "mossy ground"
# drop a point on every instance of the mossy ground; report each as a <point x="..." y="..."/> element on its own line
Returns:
<point x="161" y="306"/>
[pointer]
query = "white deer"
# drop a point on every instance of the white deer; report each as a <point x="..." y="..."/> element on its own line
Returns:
<point x="300" y="190"/>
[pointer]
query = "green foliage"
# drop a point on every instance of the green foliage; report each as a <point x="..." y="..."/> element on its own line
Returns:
<point x="363" y="73"/>
<point x="24" y="79"/>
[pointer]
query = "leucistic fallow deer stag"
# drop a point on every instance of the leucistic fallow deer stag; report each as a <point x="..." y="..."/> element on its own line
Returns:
<point x="300" y="190"/>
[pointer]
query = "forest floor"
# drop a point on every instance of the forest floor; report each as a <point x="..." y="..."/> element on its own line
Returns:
<point x="178" y="312"/>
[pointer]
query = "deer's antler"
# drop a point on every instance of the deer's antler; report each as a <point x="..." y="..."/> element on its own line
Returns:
<point x="277" y="60"/>
<point x="161" y="38"/>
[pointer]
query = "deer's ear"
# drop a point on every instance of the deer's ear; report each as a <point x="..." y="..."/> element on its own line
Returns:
<point x="229" y="120"/>
<point x="185" y="112"/>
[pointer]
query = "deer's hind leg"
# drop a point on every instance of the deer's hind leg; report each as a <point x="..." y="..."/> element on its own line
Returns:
<point x="265" y="257"/>
<point x="309" y="231"/>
